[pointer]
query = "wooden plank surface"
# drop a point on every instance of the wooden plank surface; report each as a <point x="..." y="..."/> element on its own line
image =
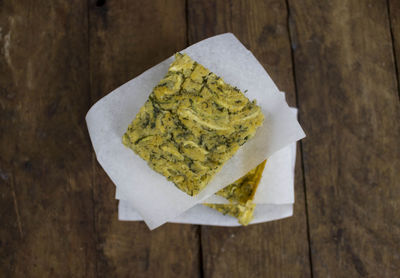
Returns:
<point x="394" y="16"/>
<point x="275" y="249"/>
<point x="126" y="38"/>
<point x="46" y="210"/>
<point x="335" y="59"/>
<point x="350" y="110"/>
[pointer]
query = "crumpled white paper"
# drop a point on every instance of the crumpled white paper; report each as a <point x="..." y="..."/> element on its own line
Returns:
<point x="149" y="193"/>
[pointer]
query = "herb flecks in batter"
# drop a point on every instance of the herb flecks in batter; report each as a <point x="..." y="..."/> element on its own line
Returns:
<point x="192" y="123"/>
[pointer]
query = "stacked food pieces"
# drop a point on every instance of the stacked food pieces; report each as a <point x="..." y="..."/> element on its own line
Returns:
<point x="198" y="134"/>
<point x="192" y="123"/>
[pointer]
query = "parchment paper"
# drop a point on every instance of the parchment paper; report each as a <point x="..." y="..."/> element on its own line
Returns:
<point x="202" y="215"/>
<point x="275" y="201"/>
<point x="156" y="199"/>
<point x="276" y="184"/>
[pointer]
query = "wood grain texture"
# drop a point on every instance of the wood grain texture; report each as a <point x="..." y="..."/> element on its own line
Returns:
<point x="57" y="208"/>
<point x="46" y="210"/>
<point x="350" y="110"/>
<point x="275" y="249"/>
<point x="126" y="38"/>
<point x="394" y="16"/>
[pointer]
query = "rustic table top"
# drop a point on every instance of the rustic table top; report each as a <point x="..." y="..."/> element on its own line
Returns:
<point x="338" y="63"/>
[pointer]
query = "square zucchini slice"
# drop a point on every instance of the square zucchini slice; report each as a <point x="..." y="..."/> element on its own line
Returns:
<point x="192" y="123"/>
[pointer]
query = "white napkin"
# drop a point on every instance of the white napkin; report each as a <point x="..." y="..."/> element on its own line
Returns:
<point x="156" y="199"/>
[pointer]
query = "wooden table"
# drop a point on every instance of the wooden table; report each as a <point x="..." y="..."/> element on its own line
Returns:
<point x="338" y="62"/>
